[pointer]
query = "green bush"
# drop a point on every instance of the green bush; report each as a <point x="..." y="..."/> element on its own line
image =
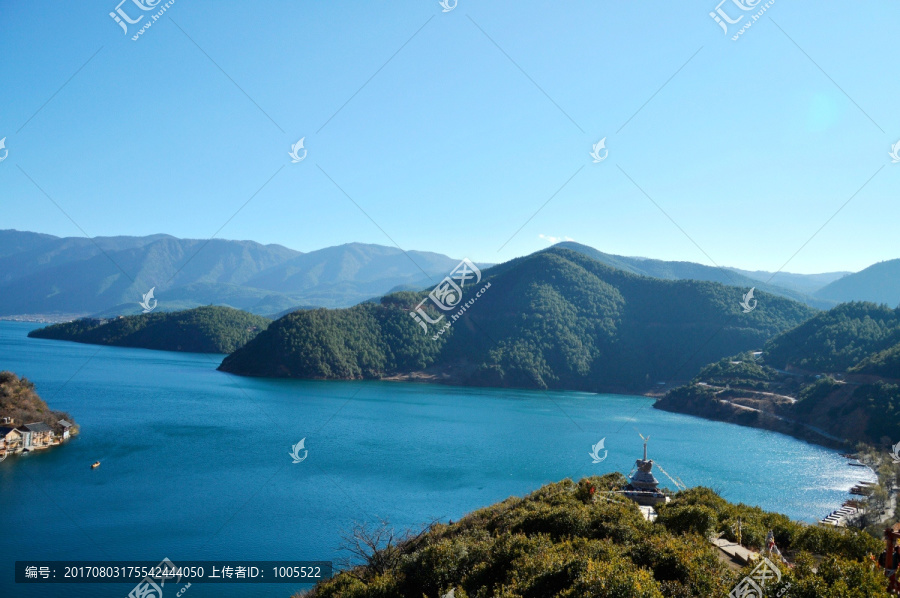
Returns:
<point x="553" y="544"/>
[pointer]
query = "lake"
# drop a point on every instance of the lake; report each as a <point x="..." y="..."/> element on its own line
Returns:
<point x="196" y="463"/>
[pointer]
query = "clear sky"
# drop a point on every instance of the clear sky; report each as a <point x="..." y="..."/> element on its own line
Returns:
<point x="452" y="130"/>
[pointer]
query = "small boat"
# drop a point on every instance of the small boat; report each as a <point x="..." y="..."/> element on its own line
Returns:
<point x="95" y="465"/>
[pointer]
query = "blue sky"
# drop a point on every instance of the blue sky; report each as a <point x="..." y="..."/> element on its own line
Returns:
<point x="449" y="146"/>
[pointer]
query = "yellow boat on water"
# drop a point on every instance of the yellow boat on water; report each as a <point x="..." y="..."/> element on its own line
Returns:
<point x="95" y="465"/>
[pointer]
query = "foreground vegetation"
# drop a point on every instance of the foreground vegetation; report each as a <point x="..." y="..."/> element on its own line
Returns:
<point x="553" y="319"/>
<point x="838" y="373"/>
<point x="210" y="329"/>
<point x="571" y="540"/>
<point x="19" y="401"/>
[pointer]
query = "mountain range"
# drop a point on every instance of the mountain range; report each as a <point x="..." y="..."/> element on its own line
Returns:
<point x="799" y="287"/>
<point x="65" y="277"/>
<point x="105" y="276"/>
<point x="879" y="283"/>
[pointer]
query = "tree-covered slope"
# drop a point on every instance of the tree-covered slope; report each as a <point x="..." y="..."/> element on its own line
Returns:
<point x="554" y="319"/>
<point x="201" y="330"/>
<point x="837" y="339"/>
<point x="884" y="363"/>
<point x="836" y="373"/>
<point x="369" y="340"/>
<point x="569" y="540"/>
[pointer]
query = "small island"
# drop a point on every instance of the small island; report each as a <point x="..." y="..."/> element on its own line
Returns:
<point x="26" y="422"/>
<point x="209" y="329"/>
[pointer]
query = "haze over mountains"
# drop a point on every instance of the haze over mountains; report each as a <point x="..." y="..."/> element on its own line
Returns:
<point x="799" y="287"/>
<point x="66" y="277"/>
<point x="43" y="274"/>
<point x="879" y="283"/>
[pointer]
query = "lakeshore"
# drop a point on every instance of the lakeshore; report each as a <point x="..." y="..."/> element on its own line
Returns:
<point x="175" y="482"/>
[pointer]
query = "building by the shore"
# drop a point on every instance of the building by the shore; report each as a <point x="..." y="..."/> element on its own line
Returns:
<point x="30" y="437"/>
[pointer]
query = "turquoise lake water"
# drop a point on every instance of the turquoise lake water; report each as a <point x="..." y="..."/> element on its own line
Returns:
<point x="196" y="465"/>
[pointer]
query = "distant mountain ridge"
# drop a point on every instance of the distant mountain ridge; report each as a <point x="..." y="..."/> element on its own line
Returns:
<point x="802" y="283"/>
<point x="728" y="276"/>
<point x="879" y="283"/>
<point x="44" y="274"/>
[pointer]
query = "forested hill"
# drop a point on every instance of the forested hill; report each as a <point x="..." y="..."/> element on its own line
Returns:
<point x="838" y="373"/>
<point x="553" y="319"/>
<point x="201" y="330"/>
<point x="837" y="339"/>
<point x="569" y="540"/>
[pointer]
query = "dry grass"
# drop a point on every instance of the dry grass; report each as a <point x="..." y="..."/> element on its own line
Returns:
<point x="19" y="401"/>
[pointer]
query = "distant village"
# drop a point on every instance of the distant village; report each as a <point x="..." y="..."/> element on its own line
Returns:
<point x="23" y="438"/>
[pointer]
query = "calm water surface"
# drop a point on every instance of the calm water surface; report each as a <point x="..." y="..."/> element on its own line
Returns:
<point x="196" y="465"/>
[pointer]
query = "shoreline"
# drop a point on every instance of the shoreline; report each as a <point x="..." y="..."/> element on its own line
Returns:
<point x="457" y="374"/>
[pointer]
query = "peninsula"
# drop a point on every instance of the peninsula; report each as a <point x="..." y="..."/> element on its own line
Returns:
<point x="26" y="422"/>
<point x="210" y="329"/>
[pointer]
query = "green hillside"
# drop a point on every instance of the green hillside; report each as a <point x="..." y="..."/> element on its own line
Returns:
<point x="554" y="319"/>
<point x="836" y="373"/>
<point x="569" y="540"/>
<point x="837" y="339"/>
<point x="884" y="363"/>
<point x="201" y="330"/>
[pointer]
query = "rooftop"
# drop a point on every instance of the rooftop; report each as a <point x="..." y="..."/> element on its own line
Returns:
<point x="38" y="427"/>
